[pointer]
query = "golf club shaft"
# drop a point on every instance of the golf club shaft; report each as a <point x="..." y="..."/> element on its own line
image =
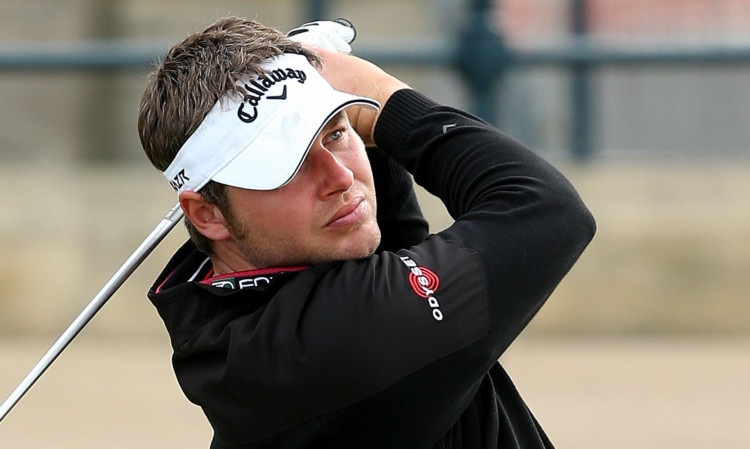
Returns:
<point x="120" y="276"/>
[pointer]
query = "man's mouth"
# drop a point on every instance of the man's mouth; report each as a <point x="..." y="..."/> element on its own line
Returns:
<point x="350" y="214"/>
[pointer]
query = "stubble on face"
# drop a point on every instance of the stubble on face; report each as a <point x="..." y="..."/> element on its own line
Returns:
<point x="262" y="250"/>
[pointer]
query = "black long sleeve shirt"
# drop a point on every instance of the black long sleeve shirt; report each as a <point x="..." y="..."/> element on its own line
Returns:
<point x="398" y="350"/>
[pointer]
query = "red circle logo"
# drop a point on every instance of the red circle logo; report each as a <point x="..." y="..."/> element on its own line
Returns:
<point x="424" y="282"/>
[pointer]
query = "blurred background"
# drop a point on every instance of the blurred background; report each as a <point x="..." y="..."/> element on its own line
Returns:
<point x="644" y="105"/>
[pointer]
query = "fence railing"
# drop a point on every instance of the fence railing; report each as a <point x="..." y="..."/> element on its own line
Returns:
<point x="478" y="52"/>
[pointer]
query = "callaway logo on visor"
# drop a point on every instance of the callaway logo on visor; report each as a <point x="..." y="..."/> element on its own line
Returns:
<point x="258" y="90"/>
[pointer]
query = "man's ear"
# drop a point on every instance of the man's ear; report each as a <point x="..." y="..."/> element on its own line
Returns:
<point x="205" y="217"/>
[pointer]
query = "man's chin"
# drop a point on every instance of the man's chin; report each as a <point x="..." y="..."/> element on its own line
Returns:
<point x="358" y="246"/>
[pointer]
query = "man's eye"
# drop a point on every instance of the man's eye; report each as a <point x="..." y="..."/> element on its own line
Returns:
<point x="336" y="135"/>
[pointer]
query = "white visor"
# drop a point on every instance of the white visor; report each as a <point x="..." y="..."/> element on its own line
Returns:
<point x="259" y="142"/>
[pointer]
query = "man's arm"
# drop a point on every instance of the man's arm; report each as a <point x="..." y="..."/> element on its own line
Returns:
<point x="525" y="220"/>
<point x="399" y="216"/>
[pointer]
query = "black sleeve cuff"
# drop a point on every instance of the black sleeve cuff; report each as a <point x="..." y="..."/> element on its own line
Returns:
<point x="397" y="118"/>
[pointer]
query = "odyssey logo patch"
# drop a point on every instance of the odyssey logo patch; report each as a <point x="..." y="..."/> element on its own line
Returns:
<point x="425" y="283"/>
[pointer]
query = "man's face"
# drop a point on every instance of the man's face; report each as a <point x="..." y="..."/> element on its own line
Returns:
<point x="326" y="212"/>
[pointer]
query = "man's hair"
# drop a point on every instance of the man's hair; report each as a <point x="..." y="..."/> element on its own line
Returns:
<point x="194" y="75"/>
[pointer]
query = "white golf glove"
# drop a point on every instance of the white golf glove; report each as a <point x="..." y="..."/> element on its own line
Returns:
<point x="335" y="35"/>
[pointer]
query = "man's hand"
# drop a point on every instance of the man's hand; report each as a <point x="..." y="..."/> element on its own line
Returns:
<point x="331" y="39"/>
<point x="360" y="77"/>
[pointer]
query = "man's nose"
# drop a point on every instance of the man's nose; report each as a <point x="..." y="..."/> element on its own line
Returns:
<point x="332" y="174"/>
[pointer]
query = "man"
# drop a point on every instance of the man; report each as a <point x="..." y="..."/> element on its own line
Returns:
<point x="304" y="312"/>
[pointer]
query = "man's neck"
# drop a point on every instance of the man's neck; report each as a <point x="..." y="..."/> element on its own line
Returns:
<point x="228" y="259"/>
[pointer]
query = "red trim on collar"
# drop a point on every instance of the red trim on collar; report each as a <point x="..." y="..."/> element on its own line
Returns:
<point x="250" y="273"/>
<point x="158" y="289"/>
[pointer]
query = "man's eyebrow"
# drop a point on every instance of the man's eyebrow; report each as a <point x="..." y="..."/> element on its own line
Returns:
<point x="336" y="120"/>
